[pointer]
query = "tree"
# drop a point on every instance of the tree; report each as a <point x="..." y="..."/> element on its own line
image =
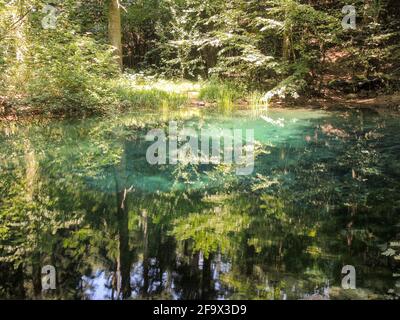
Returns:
<point x="114" y="29"/>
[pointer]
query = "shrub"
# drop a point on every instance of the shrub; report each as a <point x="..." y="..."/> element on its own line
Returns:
<point x="64" y="74"/>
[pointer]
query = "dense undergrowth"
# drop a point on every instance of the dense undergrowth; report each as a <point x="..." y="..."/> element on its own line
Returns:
<point x="224" y="53"/>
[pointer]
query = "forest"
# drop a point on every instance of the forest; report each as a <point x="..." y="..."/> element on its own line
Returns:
<point x="313" y="84"/>
<point x="95" y="57"/>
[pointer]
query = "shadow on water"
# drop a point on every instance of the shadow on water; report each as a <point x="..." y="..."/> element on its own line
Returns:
<point x="80" y="195"/>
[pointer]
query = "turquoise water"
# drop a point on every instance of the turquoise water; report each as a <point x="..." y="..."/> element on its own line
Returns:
<point x="81" y="196"/>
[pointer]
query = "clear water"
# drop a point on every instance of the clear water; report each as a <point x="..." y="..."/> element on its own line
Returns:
<point x="80" y="195"/>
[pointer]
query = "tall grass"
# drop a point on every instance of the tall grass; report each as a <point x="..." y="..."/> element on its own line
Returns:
<point x="132" y="95"/>
<point x="257" y="101"/>
<point x="224" y="94"/>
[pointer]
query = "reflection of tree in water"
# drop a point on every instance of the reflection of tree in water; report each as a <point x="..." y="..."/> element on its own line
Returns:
<point x="315" y="205"/>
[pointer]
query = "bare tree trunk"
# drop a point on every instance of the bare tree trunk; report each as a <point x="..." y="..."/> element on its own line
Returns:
<point x="124" y="254"/>
<point x="285" y="49"/>
<point x="31" y="170"/>
<point x="124" y="261"/>
<point x="114" y="29"/>
<point x="36" y="275"/>
<point x="146" y="269"/>
<point x="20" y="45"/>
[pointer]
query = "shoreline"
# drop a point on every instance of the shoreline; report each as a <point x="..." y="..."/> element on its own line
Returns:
<point x="381" y="103"/>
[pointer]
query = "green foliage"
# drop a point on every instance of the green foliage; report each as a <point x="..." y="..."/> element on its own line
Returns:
<point x="278" y="48"/>
<point x="58" y="70"/>
<point x="210" y="232"/>
<point x="76" y="84"/>
<point x="225" y="94"/>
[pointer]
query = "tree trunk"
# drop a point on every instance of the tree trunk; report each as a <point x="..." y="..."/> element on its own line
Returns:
<point x="124" y="254"/>
<point x="146" y="267"/>
<point x="286" y="47"/>
<point x="124" y="261"/>
<point x="114" y="29"/>
<point x="19" y="30"/>
<point x="31" y="170"/>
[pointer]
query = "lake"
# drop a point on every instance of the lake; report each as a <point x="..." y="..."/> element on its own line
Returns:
<point x="80" y="195"/>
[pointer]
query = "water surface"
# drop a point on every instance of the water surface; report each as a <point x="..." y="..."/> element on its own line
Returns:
<point x="80" y="195"/>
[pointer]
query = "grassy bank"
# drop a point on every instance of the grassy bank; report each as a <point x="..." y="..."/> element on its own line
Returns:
<point x="129" y="92"/>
